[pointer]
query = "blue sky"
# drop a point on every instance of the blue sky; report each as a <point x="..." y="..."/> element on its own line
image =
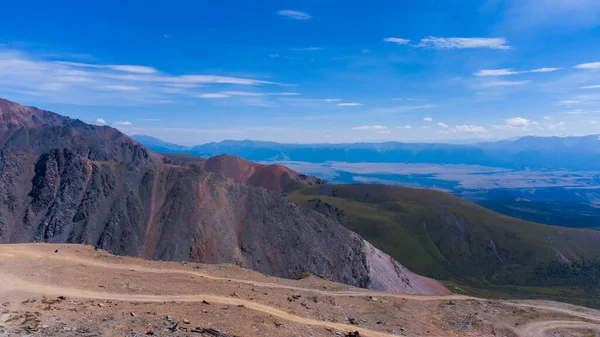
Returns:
<point x="309" y="70"/>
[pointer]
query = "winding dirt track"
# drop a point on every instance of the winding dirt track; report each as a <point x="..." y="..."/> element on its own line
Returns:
<point x="539" y="329"/>
<point x="11" y="283"/>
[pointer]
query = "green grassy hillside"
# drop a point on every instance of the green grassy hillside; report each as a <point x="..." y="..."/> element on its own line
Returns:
<point x="442" y="236"/>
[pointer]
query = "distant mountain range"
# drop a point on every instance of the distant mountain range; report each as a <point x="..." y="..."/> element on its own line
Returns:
<point x="572" y="153"/>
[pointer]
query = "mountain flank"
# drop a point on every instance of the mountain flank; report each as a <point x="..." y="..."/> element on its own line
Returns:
<point x="65" y="181"/>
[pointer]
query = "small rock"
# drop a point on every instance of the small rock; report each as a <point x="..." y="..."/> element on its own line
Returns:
<point x="205" y="302"/>
<point x="131" y="314"/>
<point x="374" y="299"/>
<point x="150" y="333"/>
<point x="185" y="321"/>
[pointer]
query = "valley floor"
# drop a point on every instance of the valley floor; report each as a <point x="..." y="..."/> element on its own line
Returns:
<point x="74" y="290"/>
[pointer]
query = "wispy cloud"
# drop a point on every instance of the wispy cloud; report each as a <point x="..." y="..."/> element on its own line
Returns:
<point x="544" y="70"/>
<point x="496" y="72"/>
<point x="369" y="127"/>
<point x="106" y="85"/>
<point x="123" y="68"/>
<point x="213" y="95"/>
<point x="507" y="72"/>
<point x="296" y="15"/>
<point x="502" y="83"/>
<point x="120" y="87"/>
<point x="428" y="119"/>
<point x="396" y="40"/>
<point x="463" y="43"/>
<point x="590" y="66"/>
<point x="596" y="86"/>
<point x="408" y="127"/>
<point x="567" y="102"/>
<point x="123" y="123"/>
<point x="257" y="94"/>
<point x="307" y="49"/>
<point x="384" y="132"/>
<point x="443" y="125"/>
<point x="100" y="121"/>
<point x="349" y="104"/>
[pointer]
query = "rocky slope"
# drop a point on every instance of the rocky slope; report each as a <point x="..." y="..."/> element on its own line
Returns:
<point x="66" y="181"/>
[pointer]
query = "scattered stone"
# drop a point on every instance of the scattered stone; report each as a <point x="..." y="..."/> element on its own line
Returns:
<point x="374" y="299"/>
<point x="351" y="321"/>
<point x="234" y="295"/>
<point x="353" y="334"/>
<point x="205" y="302"/>
<point x="241" y="306"/>
<point x="278" y="324"/>
<point x="150" y="333"/>
<point x="451" y="302"/>
<point x="56" y="251"/>
<point x="90" y="334"/>
<point x="185" y="321"/>
<point x="131" y="314"/>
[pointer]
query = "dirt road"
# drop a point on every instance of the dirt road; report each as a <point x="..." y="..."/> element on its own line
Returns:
<point x="12" y="283"/>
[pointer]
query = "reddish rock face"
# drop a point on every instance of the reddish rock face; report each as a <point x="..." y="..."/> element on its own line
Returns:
<point x="276" y="178"/>
<point x="66" y="181"/>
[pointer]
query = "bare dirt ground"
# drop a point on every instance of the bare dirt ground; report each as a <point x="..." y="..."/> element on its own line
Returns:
<point x="74" y="290"/>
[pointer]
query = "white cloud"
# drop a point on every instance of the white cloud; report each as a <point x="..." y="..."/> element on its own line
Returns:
<point x="100" y="121"/>
<point x="443" y="125"/>
<point x="275" y="55"/>
<point x="384" y="132"/>
<point x="214" y="95"/>
<point x="596" y="86"/>
<point x="426" y="127"/>
<point x="330" y="100"/>
<point x="591" y="66"/>
<point x="123" y="123"/>
<point x="503" y="83"/>
<point x="567" y="102"/>
<point x="496" y="72"/>
<point x="405" y="127"/>
<point x="468" y="129"/>
<point x="428" y="119"/>
<point x="507" y="72"/>
<point x="396" y="40"/>
<point x="349" y="104"/>
<point x="369" y="127"/>
<point x="307" y="49"/>
<point x="559" y="125"/>
<point x="242" y="93"/>
<point x="548" y="118"/>
<point x="121" y="87"/>
<point x="296" y="15"/>
<point x="118" y="67"/>
<point x="517" y="122"/>
<point x="463" y="43"/>
<point x="544" y="70"/>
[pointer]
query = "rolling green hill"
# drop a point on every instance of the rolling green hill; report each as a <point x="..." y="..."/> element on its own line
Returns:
<point x="482" y="252"/>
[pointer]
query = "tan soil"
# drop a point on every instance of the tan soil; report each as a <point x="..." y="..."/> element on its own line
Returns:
<point x="78" y="291"/>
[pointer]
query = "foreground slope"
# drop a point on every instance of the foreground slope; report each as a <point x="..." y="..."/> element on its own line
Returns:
<point x="67" y="181"/>
<point x="445" y="237"/>
<point x="108" y="295"/>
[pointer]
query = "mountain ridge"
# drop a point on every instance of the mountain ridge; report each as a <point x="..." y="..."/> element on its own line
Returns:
<point x="71" y="182"/>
